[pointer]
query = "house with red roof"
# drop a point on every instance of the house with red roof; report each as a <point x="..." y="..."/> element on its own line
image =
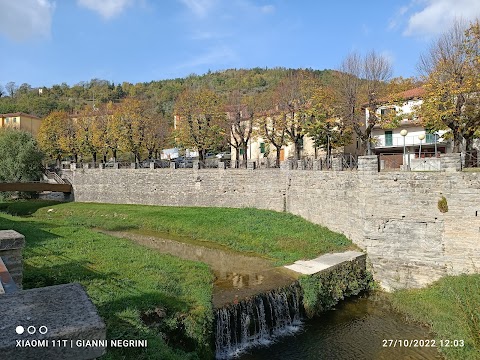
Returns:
<point x="402" y="132"/>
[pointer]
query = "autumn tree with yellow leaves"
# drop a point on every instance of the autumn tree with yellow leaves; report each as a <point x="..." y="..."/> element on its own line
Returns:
<point x="451" y="72"/>
<point x="49" y="135"/>
<point x="130" y="115"/>
<point x="325" y="126"/>
<point x="201" y="120"/>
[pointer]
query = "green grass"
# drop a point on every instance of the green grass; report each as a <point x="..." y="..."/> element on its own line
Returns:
<point x="126" y="281"/>
<point x="282" y="237"/>
<point x="451" y="307"/>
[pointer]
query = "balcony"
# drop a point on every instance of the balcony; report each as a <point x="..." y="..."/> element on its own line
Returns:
<point x="397" y="140"/>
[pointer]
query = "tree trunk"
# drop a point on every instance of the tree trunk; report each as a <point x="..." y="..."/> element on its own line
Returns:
<point x="457" y="141"/>
<point x="245" y="157"/>
<point x="279" y="148"/>
<point x="468" y="143"/>
<point x="114" y="151"/>
<point x="237" y="158"/>
<point x="94" y="155"/>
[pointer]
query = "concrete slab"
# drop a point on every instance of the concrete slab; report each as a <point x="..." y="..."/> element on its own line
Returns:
<point x="321" y="263"/>
<point x="45" y="323"/>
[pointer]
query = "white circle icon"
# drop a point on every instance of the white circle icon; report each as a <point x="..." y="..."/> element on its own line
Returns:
<point x="31" y="330"/>
<point x="20" y="330"/>
<point x="43" y="329"/>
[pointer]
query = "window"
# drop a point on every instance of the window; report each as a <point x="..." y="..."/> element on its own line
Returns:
<point x="14" y="120"/>
<point x="388" y="138"/>
<point x="385" y="112"/>
<point x="241" y="151"/>
<point x="262" y="148"/>
<point x="300" y="143"/>
<point x="430" y="138"/>
<point x="7" y="120"/>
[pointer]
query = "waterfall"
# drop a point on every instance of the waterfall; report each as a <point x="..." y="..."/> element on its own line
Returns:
<point x="257" y="320"/>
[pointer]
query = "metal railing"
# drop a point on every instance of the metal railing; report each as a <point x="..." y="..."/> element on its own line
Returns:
<point x="347" y="161"/>
<point x="471" y="159"/>
<point x="53" y="176"/>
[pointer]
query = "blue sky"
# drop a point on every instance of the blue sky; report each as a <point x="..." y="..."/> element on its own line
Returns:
<point x="46" y="42"/>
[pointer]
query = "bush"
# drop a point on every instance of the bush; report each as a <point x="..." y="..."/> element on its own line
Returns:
<point x="442" y="205"/>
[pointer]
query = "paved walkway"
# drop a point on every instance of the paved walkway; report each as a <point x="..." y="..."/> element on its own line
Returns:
<point x="309" y="267"/>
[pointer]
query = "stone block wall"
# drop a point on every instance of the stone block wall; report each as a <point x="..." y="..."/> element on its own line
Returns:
<point x="394" y="216"/>
<point x="11" y="247"/>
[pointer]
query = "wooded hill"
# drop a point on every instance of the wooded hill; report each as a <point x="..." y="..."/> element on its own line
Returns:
<point x="42" y="101"/>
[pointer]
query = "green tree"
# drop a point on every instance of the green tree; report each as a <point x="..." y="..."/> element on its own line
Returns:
<point x="20" y="157"/>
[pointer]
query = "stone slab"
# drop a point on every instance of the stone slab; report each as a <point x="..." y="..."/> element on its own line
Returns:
<point x="64" y="312"/>
<point x="310" y="267"/>
<point x="10" y="239"/>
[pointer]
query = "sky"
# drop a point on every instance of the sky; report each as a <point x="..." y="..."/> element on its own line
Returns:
<point x="47" y="42"/>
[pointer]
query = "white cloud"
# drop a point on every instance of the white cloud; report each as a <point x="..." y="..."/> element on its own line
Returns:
<point x="106" y="8"/>
<point x="24" y="19"/>
<point x="267" y="9"/>
<point x="438" y="15"/>
<point x="199" y="7"/>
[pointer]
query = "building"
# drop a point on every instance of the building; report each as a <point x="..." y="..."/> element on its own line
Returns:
<point x="21" y="121"/>
<point x="410" y="137"/>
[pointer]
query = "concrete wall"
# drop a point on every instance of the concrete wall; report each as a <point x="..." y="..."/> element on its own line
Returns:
<point x="393" y="216"/>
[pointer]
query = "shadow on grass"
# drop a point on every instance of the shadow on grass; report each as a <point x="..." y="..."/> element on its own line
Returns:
<point x="67" y="272"/>
<point x="34" y="231"/>
<point x="25" y="208"/>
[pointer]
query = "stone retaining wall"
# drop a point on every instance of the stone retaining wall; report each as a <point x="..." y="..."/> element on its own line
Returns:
<point x="11" y="246"/>
<point x="393" y="216"/>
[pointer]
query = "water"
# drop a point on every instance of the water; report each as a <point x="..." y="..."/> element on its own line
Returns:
<point x="257" y="321"/>
<point x="237" y="276"/>
<point x="355" y="330"/>
<point x="270" y="326"/>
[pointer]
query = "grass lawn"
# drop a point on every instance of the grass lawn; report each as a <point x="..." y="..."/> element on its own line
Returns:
<point x="129" y="283"/>
<point x="282" y="237"/>
<point x="451" y="307"/>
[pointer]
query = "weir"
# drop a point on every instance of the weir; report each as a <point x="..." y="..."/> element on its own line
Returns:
<point x="259" y="319"/>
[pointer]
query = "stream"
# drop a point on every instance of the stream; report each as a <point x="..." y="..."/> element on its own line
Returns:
<point x="355" y="329"/>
